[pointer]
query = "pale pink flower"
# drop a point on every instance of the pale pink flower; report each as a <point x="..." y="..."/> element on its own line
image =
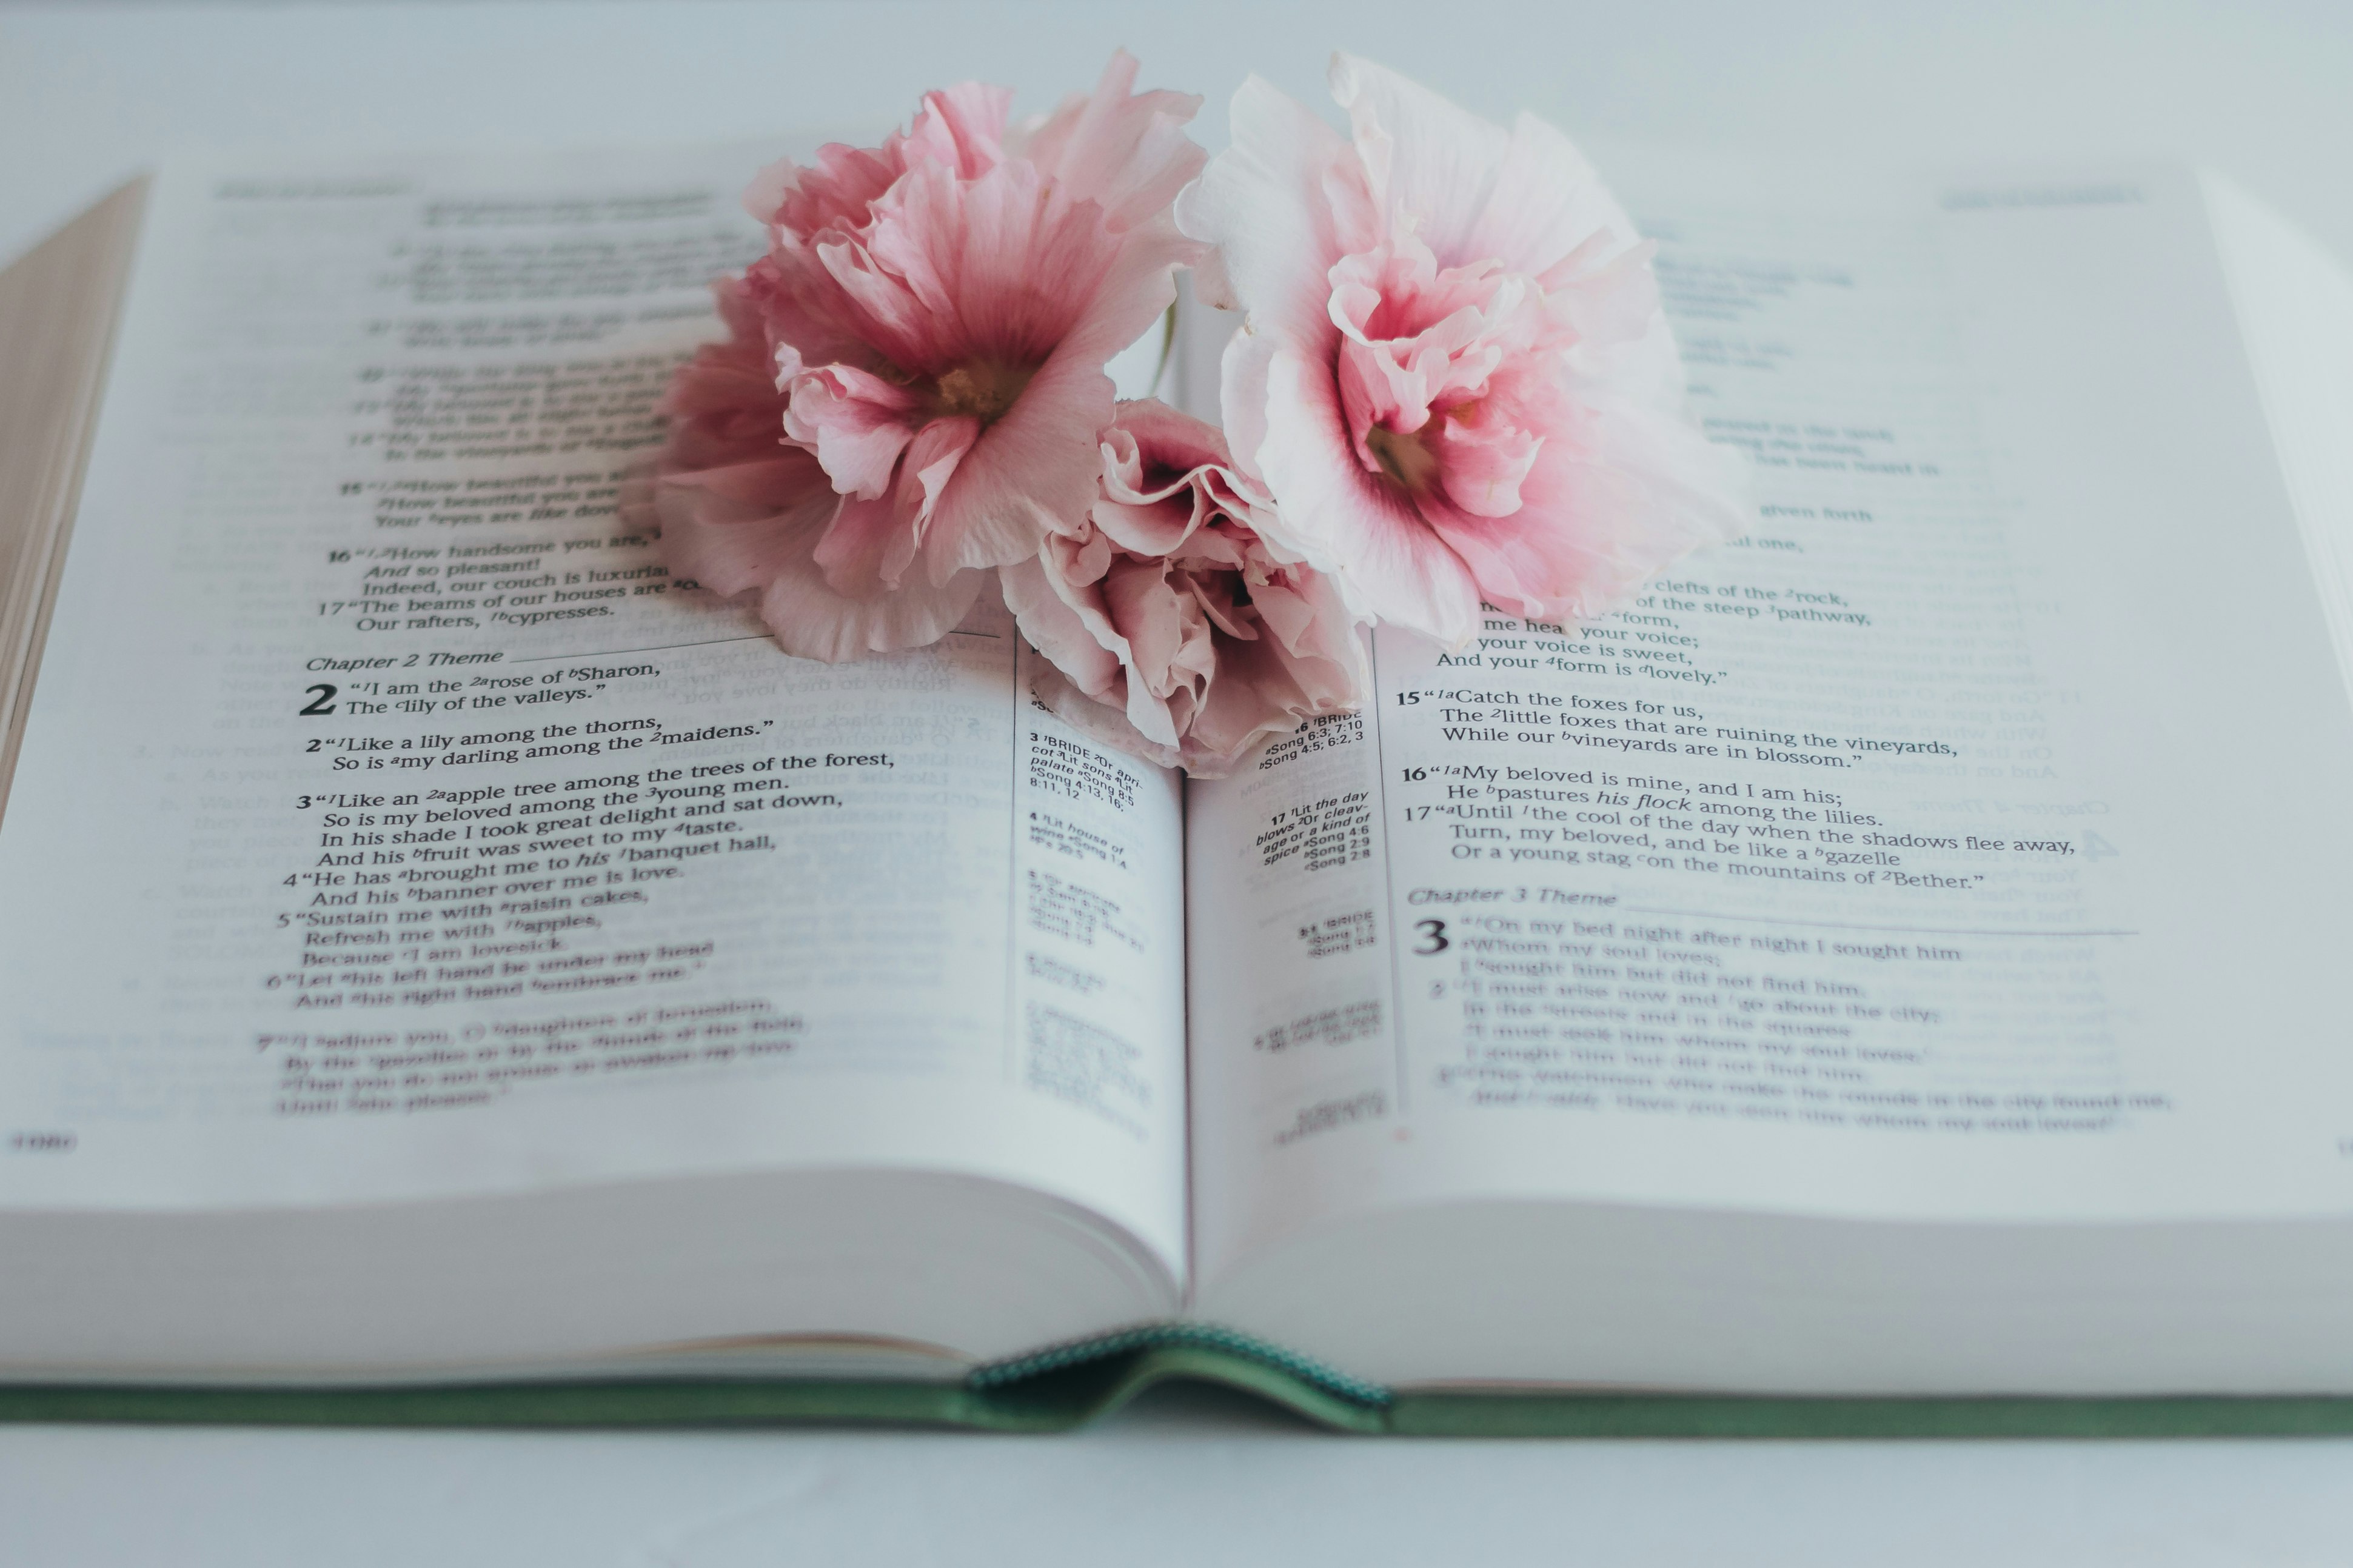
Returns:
<point x="1454" y="374"/>
<point x="937" y="313"/>
<point x="1177" y="629"/>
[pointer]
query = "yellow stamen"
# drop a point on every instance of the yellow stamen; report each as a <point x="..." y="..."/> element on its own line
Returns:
<point x="1403" y="457"/>
<point x="982" y="390"/>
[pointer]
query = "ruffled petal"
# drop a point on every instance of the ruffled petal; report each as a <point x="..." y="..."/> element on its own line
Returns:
<point x="1056" y="628"/>
<point x="1126" y="152"/>
<point x="1031" y="472"/>
<point x="1253" y="697"/>
<point x="857" y="422"/>
<point x="1186" y="655"/>
<point x="872" y="303"/>
<point x="811" y="620"/>
<point x="1101" y="721"/>
<point x="1001" y="266"/>
<point x="933" y="457"/>
<point x="1483" y="465"/>
<point x="1422" y="154"/>
<point x="865" y="550"/>
<point x="961" y="129"/>
<point x="1266" y="204"/>
<point x="1603" y="515"/>
<point x="832" y="193"/>
<point x="1546" y="203"/>
<point x="1242" y="376"/>
<point x="1164" y="472"/>
<point x="733" y="528"/>
<point x="754" y="527"/>
<point x="1149" y="528"/>
<point x="1357" y="525"/>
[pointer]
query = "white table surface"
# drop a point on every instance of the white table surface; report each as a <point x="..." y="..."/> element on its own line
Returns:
<point x="90" y="93"/>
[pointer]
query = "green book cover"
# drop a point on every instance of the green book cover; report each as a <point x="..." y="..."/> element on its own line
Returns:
<point x="1070" y="1386"/>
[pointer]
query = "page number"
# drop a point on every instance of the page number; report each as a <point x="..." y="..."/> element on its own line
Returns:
<point x="41" y="1142"/>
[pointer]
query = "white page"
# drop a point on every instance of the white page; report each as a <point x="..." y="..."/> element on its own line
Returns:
<point x="1956" y="847"/>
<point x="390" y="828"/>
<point x="2294" y="301"/>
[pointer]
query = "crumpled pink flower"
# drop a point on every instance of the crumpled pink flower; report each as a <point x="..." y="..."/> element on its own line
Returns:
<point x="739" y="508"/>
<point x="936" y="313"/>
<point x="1177" y="629"/>
<point x="1454" y="374"/>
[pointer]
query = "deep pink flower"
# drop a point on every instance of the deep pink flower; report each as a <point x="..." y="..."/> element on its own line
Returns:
<point x="936" y="313"/>
<point x="1180" y="631"/>
<point x="1454" y="374"/>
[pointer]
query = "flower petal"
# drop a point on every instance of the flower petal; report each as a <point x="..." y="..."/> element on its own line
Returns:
<point x="1056" y="628"/>
<point x="1547" y="201"/>
<point x="730" y="529"/>
<point x="833" y="192"/>
<point x="1266" y="202"/>
<point x="932" y="460"/>
<point x="870" y="545"/>
<point x="857" y="422"/>
<point x="1425" y="156"/>
<point x="1243" y="374"/>
<point x="1639" y="491"/>
<point x="755" y="526"/>
<point x="1482" y="466"/>
<point x="1252" y="696"/>
<point x="1031" y="472"/>
<point x="1003" y="267"/>
<point x="1127" y="153"/>
<point x="810" y="620"/>
<point x="961" y="128"/>
<point x="1353" y="524"/>
<point x="1101" y="721"/>
<point x="1182" y="634"/>
<point x="866" y="548"/>
<point x="872" y="302"/>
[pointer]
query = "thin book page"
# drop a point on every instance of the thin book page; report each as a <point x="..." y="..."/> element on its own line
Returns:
<point x="2296" y="303"/>
<point x="391" y="827"/>
<point x="1942" y="851"/>
<point x="57" y="310"/>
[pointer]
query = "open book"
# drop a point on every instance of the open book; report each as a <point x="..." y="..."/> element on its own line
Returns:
<point x="450" y="970"/>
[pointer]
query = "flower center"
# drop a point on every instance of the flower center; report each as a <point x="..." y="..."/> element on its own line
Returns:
<point x="983" y="390"/>
<point x="1403" y="457"/>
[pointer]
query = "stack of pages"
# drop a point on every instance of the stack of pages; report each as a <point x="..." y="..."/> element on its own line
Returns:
<point x="1889" y="978"/>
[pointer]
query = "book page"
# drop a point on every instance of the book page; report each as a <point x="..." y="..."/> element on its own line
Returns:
<point x="1954" y="847"/>
<point x="390" y="825"/>
<point x="57" y="310"/>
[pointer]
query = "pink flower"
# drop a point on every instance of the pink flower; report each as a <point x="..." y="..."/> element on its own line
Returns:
<point x="1454" y="374"/>
<point x="936" y="313"/>
<point x="1177" y="630"/>
<point x="740" y="509"/>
